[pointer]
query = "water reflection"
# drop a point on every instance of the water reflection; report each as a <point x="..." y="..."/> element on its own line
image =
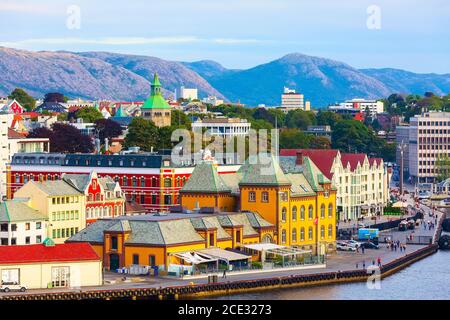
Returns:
<point x="428" y="279"/>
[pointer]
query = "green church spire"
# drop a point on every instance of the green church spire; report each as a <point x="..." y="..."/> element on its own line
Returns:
<point x="156" y="100"/>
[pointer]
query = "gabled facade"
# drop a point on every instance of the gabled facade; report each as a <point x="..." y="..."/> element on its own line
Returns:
<point x="362" y="183"/>
<point x="298" y="199"/>
<point x="104" y="196"/>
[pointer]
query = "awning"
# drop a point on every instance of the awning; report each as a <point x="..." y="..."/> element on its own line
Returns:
<point x="194" y="257"/>
<point x="276" y="249"/>
<point x="399" y="204"/>
<point x="224" y="254"/>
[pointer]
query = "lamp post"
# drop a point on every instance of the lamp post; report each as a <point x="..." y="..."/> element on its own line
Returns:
<point x="402" y="148"/>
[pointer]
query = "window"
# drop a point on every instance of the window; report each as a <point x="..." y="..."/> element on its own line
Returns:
<point x="135" y="258"/>
<point x="252" y="196"/>
<point x="302" y="234"/>
<point x="114" y="245"/>
<point x="4" y="241"/>
<point x="294" y="235"/>
<point x="142" y="198"/>
<point x="167" y="183"/>
<point x="211" y="239"/>
<point x="38" y="239"/>
<point x="134" y="182"/>
<point x="310" y="233"/>
<point x="283" y="236"/>
<point x="13" y="241"/>
<point x="4" y="227"/>
<point x="151" y="260"/>
<point x="27" y="226"/>
<point x="330" y="211"/>
<point x="125" y="181"/>
<point x="322" y="232"/>
<point x="142" y="182"/>
<point x="265" y="196"/>
<point x="27" y="240"/>
<point x="310" y="212"/>
<point x="14" y="227"/>
<point x="283" y="214"/>
<point x="294" y="213"/>
<point x="330" y="231"/>
<point x="322" y="211"/>
<point x="302" y="213"/>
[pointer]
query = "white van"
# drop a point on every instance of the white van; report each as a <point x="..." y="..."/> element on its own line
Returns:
<point x="12" y="286"/>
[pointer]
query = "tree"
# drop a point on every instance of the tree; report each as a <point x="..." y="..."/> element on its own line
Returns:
<point x="442" y="165"/>
<point x="107" y="128"/>
<point x="64" y="138"/>
<point x="317" y="142"/>
<point x="89" y="114"/>
<point x="142" y="133"/>
<point x="328" y="118"/>
<point x="54" y="97"/>
<point x="351" y="136"/>
<point x="27" y="101"/>
<point x="294" y="139"/>
<point x="300" y="119"/>
<point x="180" y="119"/>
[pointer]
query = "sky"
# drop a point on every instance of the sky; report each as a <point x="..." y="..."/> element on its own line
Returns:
<point x="408" y="34"/>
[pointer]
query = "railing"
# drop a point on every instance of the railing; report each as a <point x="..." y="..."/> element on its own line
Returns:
<point x="425" y="240"/>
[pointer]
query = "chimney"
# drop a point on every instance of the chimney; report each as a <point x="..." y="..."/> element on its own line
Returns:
<point x="299" y="160"/>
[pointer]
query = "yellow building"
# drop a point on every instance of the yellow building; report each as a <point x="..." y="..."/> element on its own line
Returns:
<point x="48" y="265"/>
<point x="163" y="239"/>
<point x="298" y="199"/>
<point x="64" y="206"/>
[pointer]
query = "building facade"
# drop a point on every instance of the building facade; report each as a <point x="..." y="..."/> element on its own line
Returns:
<point x="298" y="199"/>
<point x="429" y="138"/>
<point x="290" y="100"/>
<point x="362" y="183"/>
<point x="188" y="94"/>
<point x="63" y="206"/>
<point x="20" y="224"/>
<point x="151" y="180"/>
<point x="225" y="127"/>
<point x="47" y="265"/>
<point x="359" y="105"/>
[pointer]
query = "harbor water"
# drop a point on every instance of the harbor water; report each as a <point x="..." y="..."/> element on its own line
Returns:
<point x="427" y="279"/>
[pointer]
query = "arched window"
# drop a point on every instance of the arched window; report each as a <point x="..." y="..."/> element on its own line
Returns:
<point x="283" y="214"/>
<point x="302" y="234"/>
<point x="310" y="233"/>
<point x="283" y="236"/>
<point x="91" y="197"/>
<point x="302" y="213"/>
<point x="294" y="235"/>
<point x="294" y="213"/>
<point x="330" y="231"/>
<point x="322" y="232"/>
<point x="167" y="182"/>
<point x="97" y="197"/>
<point x="330" y="210"/>
<point x="310" y="212"/>
<point x="322" y="211"/>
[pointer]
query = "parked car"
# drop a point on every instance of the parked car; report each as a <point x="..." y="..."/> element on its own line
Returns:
<point x="353" y="243"/>
<point x="411" y="224"/>
<point x="12" y="286"/>
<point x="403" y="225"/>
<point x="370" y="245"/>
<point x="344" y="247"/>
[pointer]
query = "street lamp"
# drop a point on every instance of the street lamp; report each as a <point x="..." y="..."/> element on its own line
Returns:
<point x="402" y="148"/>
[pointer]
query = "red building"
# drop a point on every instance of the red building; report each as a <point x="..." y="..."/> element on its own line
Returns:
<point x="104" y="196"/>
<point x="151" y="180"/>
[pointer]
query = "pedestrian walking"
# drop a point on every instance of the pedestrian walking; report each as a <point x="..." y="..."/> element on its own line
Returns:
<point x="364" y="264"/>
<point x="373" y="262"/>
<point x="362" y="249"/>
<point x="379" y="261"/>
<point x="224" y="273"/>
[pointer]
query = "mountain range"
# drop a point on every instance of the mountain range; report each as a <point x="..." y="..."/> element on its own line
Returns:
<point x="104" y="75"/>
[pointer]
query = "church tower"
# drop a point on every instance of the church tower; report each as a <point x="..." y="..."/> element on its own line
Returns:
<point x="156" y="107"/>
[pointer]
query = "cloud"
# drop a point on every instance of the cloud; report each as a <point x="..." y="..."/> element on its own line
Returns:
<point x="28" y="8"/>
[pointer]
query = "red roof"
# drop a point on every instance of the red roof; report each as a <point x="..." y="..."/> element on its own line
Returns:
<point x="39" y="253"/>
<point x="372" y="160"/>
<point x="353" y="159"/>
<point x="13" y="134"/>
<point x="31" y="114"/>
<point x="322" y="158"/>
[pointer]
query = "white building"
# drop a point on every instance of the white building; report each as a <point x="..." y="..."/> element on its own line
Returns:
<point x="290" y="100"/>
<point x="429" y="137"/>
<point x="359" y="105"/>
<point x="20" y="224"/>
<point x="213" y="100"/>
<point x="225" y="127"/>
<point x="188" y="94"/>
